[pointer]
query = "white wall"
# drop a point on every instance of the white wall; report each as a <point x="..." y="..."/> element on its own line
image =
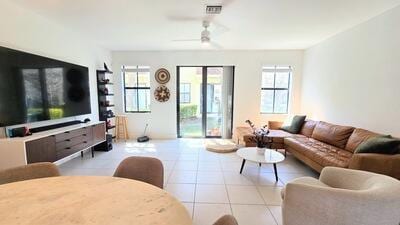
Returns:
<point x="24" y="30"/>
<point x="354" y="77"/>
<point x="248" y="65"/>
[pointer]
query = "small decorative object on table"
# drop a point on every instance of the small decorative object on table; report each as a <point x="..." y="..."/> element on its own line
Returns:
<point x="259" y="135"/>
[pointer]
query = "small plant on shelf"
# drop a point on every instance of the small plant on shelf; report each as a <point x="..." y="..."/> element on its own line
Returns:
<point x="259" y="134"/>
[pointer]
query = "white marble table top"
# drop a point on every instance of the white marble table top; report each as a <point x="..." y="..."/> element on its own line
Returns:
<point x="88" y="200"/>
<point x="251" y="154"/>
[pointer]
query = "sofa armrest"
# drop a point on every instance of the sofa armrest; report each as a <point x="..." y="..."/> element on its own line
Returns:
<point x="377" y="163"/>
<point x="274" y="125"/>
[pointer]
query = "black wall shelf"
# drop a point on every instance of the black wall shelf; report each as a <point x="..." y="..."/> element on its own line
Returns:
<point x="106" y="101"/>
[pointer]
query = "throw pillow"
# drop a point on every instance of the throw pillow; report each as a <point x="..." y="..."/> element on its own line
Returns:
<point x="293" y="124"/>
<point x="380" y="144"/>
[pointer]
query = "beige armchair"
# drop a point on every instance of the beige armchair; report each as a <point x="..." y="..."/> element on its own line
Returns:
<point x="342" y="196"/>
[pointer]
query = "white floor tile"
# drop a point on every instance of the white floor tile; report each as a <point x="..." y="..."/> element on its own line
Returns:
<point x="206" y="193"/>
<point x="182" y="177"/>
<point x="189" y="157"/>
<point x="277" y="213"/>
<point x="209" y="166"/>
<point x="271" y="195"/>
<point x="207" y="177"/>
<point x="207" y="214"/>
<point x="186" y="165"/>
<point x="183" y="192"/>
<point x="244" y="195"/>
<point x="253" y="215"/>
<point x="235" y="178"/>
<point x="266" y="179"/>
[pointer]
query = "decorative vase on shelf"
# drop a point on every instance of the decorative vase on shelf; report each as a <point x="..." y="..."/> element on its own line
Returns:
<point x="260" y="151"/>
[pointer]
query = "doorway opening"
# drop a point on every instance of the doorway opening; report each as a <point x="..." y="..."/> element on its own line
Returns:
<point x="205" y="111"/>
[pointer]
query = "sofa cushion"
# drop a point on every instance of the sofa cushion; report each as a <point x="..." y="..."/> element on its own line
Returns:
<point x="308" y="128"/>
<point x="357" y="137"/>
<point x="380" y="144"/>
<point x="293" y="124"/>
<point x="335" y="135"/>
<point x="321" y="153"/>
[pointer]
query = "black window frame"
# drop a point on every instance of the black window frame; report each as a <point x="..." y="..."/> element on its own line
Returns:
<point x="182" y="93"/>
<point x="274" y="89"/>
<point x="137" y="88"/>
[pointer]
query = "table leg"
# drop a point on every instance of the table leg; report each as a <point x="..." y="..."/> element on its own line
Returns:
<point x="259" y="164"/>
<point x="92" y="152"/>
<point x="276" y="172"/>
<point x="241" y="168"/>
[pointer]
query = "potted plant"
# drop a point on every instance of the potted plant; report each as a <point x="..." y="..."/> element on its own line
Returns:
<point x="259" y="134"/>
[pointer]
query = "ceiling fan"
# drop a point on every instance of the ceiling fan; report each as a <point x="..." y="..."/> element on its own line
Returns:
<point x="204" y="39"/>
<point x="211" y="11"/>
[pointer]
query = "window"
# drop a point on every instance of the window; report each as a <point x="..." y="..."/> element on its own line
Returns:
<point x="184" y="91"/>
<point x="136" y="88"/>
<point x="275" y="88"/>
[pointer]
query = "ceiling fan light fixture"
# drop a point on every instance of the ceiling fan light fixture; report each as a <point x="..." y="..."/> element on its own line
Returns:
<point x="205" y="40"/>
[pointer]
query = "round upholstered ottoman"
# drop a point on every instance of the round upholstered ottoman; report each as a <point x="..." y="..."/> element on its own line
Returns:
<point x="221" y="145"/>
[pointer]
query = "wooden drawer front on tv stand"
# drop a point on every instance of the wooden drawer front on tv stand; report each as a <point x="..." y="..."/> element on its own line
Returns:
<point x="74" y="141"/>
<point x="56" y="147"/>
<point x="74" y="138"/>
<point x="73" y="133"/>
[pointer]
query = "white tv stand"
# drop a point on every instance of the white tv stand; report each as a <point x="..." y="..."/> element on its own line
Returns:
<point x="50" y="146"/>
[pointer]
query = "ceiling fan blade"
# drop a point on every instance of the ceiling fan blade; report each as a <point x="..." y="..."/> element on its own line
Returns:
<point x="183" y="18"/>
<point x="185" y="40"/>
<point x="226" y="3"/>
<point x="219" y="28"/>
<point x="216" y="45"/>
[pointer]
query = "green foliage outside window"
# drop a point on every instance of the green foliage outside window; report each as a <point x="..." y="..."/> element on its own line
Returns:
<point x="188" y="111"/>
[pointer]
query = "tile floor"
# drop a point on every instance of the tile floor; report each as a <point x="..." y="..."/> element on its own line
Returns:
<point x="208" y="184"/>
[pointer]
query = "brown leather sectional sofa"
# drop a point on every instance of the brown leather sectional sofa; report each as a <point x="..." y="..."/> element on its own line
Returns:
<point x="320" y="144"/>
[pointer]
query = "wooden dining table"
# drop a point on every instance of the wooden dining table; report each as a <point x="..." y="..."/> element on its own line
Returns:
<point x="88" y="200"/>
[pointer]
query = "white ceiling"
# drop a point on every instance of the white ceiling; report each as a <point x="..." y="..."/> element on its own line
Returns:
<point x="244" y="24"/>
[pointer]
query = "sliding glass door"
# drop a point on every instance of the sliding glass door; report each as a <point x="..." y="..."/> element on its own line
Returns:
<point x="204" y="110"/>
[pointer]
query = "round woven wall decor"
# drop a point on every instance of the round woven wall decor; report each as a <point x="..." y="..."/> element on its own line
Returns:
<point x="162" y="93"/>
<point x="162" y="76"/>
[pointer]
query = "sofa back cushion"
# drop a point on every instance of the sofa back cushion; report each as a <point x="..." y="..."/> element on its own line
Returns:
<point x="308" y="128"/>
<point x="357" y="137"/>
<point x="293" y="124"/>
<point x="335" y="135"/>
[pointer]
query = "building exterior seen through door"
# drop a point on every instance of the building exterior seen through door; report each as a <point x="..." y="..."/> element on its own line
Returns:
<point x="204" y="110"/>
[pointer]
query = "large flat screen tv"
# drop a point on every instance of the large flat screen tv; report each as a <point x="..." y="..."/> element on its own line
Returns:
<point x="35" y="88"/>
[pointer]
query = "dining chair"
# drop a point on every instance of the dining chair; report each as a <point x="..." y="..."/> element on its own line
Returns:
<point x="28" y="172"/>
<point x="146" y="169"/>
<point x="226" y="220"/>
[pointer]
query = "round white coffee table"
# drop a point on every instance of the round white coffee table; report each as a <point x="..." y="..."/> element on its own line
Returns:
<point x="269" y="157"/>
